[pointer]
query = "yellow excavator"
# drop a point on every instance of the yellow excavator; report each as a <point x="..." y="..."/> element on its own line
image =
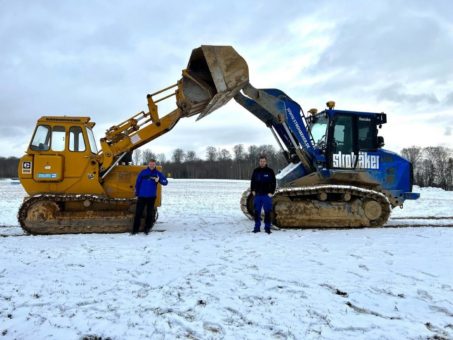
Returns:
<point x="74" y="188"/>
<point x="338" y="174"/>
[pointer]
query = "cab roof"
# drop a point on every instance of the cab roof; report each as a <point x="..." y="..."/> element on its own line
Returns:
<point x="46" y="119"/>
<point x="381" y="117"/>
<point x="66" y="119"/>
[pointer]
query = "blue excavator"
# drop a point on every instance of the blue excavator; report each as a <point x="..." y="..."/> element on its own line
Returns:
<point x="338" y="174"/>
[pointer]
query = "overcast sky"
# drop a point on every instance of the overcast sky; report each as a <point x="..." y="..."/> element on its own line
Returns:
<point x="101" y="58"/>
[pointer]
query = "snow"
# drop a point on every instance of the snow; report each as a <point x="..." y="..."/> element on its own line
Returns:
<point x="203" y="275"/>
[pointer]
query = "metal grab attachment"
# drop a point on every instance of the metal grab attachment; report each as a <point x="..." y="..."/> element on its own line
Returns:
<point x="214" y="75"/>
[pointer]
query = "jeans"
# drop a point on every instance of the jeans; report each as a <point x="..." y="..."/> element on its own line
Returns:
<point x="143" y="202"/>
<point x="262" y="202"/>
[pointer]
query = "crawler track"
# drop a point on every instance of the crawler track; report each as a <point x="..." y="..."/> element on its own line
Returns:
<point x="72" y="214"/>
<point x="325" y="206"/>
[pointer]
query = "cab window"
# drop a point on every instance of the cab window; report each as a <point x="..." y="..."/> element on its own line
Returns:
<point x="58" y="138"/>
<point x="366" y="133"/>
<point x="92" y="141"/>
<point x="41" y="138"/>
<point x="318" y="129"/>
<point x="76" y="141"/>
<point x="342" y="135"/>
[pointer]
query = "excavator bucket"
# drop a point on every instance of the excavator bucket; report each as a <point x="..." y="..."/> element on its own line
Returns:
<point x="214" y="75"/>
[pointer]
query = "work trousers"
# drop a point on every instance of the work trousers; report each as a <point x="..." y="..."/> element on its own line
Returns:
<point x="262" y="202"/>
<point x="143" y="202"/>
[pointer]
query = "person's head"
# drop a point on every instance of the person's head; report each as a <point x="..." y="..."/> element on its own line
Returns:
<point x="263" y="161"/>
<point x="152" y="164"/>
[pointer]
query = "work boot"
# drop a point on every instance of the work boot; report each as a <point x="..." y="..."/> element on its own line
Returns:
<point x="255" y="231"/>
<point x="268" y="231"/>
<point x="147" y="229"/>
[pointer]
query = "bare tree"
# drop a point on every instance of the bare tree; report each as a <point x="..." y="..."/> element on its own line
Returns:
<point x="178" y="155"/>
<point x="238" y="151"/>
<point x="211" y="154"/>
<point x="253" y="153"/>
<point x="428" y="173"/>
<point x="450" y="174"/>
<point x="413" y="154"/>
<point x="191" y="156"/>
<point x="438" y="155"/>
<point x="148" y="155"/>
<point x="161" y="158"/>
<point x="137" y="156"/>
<point x="224" y="155"/>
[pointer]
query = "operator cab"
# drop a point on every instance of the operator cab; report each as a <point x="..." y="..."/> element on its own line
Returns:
<point x="60" y="134"/>
<point x="342" y="135"/>
<point x="61" y="147"/>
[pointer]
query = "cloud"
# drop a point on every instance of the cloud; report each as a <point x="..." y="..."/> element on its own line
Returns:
<point x="449" y="100"/>
<point x="404" y="48"/>
<point x="101" y="58"/>
<point x="397" y="93"/>
<point x="448" y="131"/>
<point x="393" y="42"/>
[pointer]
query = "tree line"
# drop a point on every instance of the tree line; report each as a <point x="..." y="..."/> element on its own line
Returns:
<point x="8" y="167"/>
<point x="432" y="166"/>
<point x="217" y="163"/>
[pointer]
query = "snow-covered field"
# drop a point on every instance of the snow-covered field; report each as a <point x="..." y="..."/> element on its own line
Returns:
<point x="205" y="276"/>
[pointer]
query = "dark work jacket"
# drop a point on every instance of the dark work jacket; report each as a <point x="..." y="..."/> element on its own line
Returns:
<point x="263" y="181"/>
<point x="146" y="186"/>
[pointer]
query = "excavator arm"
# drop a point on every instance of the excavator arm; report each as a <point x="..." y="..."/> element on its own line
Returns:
<point x="140" y="129"/>
<point x="287" y="122"/>
<point x="214" y="75"/>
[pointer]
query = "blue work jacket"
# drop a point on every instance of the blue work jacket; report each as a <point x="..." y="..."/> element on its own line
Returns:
<point x="146" y="186"/>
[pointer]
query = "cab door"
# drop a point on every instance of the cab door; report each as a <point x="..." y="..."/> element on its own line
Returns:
<point x="341" y="146"/>
<point x="77" y="153"/>
<point x="48" y="144"/>
<point x="353" y="142"/>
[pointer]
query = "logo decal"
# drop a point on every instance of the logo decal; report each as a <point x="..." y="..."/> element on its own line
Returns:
<point x="41" y="175"/>
<point x="26" y="167"/>
<point x="365" y="160"/>
<point x="298" y="128"/>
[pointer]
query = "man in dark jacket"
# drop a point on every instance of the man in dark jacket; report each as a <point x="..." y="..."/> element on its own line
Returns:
<point x="146" y="191"/>
<point x="263" y="187"/>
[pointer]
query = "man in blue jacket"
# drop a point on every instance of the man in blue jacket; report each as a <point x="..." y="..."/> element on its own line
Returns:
<point x="263" y="187"/>
<point x="146" y="191"/>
